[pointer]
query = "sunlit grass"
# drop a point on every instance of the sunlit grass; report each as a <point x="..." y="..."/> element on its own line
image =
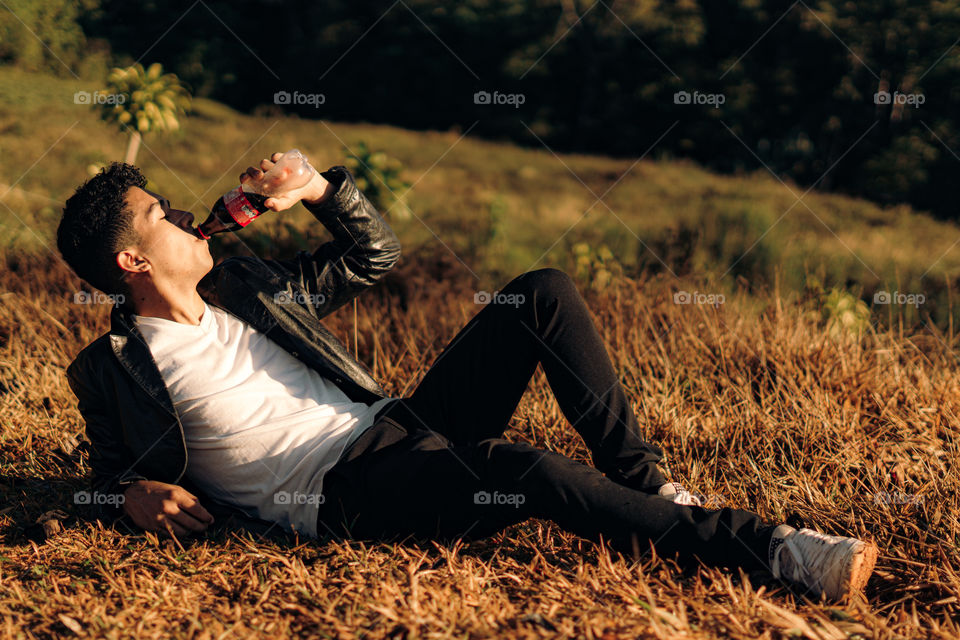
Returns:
<point x="754" y="402"/>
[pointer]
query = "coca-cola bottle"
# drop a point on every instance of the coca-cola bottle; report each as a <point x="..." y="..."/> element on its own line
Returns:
<point x="240" y="206"/>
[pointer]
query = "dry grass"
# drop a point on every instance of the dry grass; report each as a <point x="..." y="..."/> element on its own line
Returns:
<point x="754" y="403"/>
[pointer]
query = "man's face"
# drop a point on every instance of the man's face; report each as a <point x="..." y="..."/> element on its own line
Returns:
<point x="168" y="243"/>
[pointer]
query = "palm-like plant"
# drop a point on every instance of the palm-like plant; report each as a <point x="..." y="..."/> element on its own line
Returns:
<point x="378" y="176"/>
<point x="145" y="100"/>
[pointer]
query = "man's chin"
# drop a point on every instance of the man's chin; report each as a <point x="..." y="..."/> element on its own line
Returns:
<point x="205" y="263"/>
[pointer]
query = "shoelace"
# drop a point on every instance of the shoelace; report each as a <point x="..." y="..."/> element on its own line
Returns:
<point x="817" y="554"/>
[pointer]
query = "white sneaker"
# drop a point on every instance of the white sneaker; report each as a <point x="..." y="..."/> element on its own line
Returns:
<point x="835" y="566"/>
<point x="675" y="492"/>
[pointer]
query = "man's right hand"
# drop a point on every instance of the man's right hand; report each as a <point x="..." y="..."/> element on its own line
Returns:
<point x="158" y="506"/>
<point x="313" y="192"/>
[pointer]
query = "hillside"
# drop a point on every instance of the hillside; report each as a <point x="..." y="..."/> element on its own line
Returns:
<point x="497" y="208"/>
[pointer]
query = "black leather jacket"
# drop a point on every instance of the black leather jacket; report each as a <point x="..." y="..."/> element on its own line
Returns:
<point x="134" y="430"/>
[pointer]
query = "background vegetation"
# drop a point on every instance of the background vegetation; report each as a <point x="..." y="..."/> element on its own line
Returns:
<point x="496" y="208"/>
<point x="798" y="77"/>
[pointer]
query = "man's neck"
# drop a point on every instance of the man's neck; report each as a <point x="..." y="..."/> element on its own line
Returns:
<point x="187" y="309"/>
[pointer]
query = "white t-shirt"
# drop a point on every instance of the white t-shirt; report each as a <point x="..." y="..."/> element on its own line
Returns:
<point x="261" y="427"/>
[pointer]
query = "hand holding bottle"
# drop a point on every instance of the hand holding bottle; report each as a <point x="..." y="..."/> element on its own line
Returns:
<point x="279" y="183"/>
<point x="286" y="178"/>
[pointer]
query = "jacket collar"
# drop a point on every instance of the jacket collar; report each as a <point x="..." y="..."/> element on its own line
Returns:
<point x="132" y="351"/>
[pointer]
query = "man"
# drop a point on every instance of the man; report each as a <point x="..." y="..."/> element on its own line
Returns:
<point x="225" y="379"/>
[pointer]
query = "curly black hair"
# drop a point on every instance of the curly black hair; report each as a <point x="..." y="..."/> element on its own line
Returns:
<point x="97" y="225"/>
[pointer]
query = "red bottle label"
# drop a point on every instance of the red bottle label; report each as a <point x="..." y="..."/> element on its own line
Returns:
<point x="239" y="207"/>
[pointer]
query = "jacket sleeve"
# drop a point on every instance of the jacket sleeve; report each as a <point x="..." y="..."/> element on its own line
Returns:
<point x="363" y="249"/>
<point x="109" y="457"/>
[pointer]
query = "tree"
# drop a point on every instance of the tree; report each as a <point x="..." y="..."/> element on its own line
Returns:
<point x="141" y="101"/>
<point x="44" y="36"/>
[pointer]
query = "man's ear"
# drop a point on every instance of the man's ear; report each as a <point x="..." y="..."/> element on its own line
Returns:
<point x="131" y="261"/>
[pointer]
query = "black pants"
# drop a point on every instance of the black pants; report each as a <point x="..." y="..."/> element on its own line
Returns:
<point x="435" y="465"/>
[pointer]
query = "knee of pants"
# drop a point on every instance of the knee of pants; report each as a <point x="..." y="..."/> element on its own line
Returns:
<point x="547" y="284"/>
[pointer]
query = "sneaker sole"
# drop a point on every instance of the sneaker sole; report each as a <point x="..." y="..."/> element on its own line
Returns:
<point x="861" y="567"/>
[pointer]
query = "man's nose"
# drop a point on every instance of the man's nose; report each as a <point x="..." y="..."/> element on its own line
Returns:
<point x="182" y="219"/>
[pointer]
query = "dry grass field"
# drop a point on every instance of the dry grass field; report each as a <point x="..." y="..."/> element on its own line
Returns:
<point x="755" y="403"/>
